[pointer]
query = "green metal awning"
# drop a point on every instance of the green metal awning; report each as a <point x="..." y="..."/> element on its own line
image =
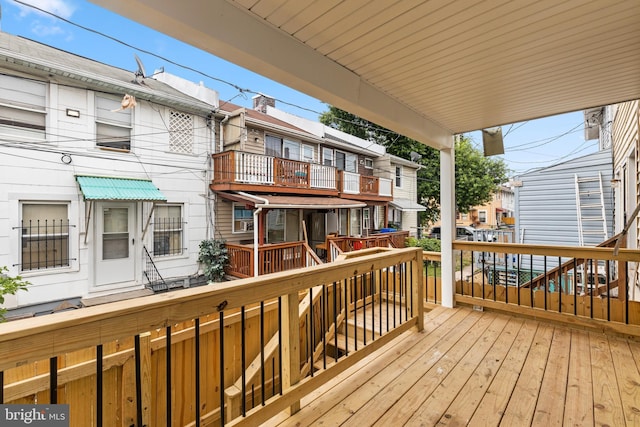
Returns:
<point x="106" y="188"/>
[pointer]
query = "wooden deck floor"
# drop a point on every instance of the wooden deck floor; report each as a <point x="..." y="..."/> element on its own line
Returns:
<point x="484" y="369"/>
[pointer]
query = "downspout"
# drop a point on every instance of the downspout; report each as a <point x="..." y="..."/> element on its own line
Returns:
<point x="256" y="213"/>
<point x="222" y="123"/>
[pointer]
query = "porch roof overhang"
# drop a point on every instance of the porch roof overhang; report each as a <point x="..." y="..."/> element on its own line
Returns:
<point x="97" y="188"/>
<point x="407" y="205"/>
<point x="291" y="202"/>
<point x="424" y="69"/>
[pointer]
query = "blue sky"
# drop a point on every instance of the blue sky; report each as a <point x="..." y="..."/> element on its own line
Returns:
<point x="528" y="145"/>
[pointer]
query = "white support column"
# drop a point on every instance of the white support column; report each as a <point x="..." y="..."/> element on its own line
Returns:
<point x="448" y="223"/>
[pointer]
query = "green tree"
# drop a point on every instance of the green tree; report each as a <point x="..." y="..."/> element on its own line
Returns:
<point x="477" y="177"/>
<point x="9" y="286"/>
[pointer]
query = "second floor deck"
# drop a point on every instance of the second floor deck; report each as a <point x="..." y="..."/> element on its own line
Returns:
<point x="242" y="171"/>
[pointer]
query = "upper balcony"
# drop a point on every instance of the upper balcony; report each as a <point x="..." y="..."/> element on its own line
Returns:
<point x="241" y="171"/>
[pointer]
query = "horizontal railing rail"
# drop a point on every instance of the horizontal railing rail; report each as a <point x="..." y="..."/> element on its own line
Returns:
<point x="167" y="359"/>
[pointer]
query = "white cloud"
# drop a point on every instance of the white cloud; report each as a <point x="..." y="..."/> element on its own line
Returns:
<point x="44" y="30"/>
<point x="61" y="8"/>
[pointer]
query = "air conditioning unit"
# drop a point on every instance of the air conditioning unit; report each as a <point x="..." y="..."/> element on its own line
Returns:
<point x="246" y="225"/>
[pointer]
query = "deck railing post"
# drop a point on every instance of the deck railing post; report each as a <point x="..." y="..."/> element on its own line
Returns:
<point x="416" y="285"/>
<point x="291" y="345"/>
<point x="145" y="377"/>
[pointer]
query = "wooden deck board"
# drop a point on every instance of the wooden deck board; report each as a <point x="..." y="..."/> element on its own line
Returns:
<point x="435" y="406"/>
<point x="331" y="394"/>
<point x="607" y="406"/>
<point x="488" y="369"/>
<point x="554" y="384"/>
<point x="429" y="377"/>
<point x="578" y="407"/>
<point x="628" y="376"/>
<point x="465" y="403"/>
<point x="393" y="381"/>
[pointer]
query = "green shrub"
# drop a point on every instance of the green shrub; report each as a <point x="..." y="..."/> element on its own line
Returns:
<point x="431" y="245"/>
<point x="213" y="254"/>
<point x="9" y="286"/>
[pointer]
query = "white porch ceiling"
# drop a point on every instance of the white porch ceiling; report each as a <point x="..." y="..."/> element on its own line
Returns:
<point x="426" y="69"/>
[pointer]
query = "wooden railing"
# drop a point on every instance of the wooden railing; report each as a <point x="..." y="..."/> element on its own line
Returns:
<point x="168" y="358"/>
<point x="277" y="257"/>
<point x="291" y="173"/>
<point x="343" y="244"/>
<point x="240" y="260"/>
<point x="582" y="284"/>
<point x="369" y="185"/>
<point x="248" y="168"/>
<point x="272" y="258"/>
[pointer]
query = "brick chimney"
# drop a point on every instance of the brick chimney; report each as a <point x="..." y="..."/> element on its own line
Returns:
<point x="261" y="101"/>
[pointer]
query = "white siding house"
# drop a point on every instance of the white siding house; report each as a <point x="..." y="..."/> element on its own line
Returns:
<point x="99" y="168"/>
<point x="621" y="124"/>
<point x="546" y="207"/>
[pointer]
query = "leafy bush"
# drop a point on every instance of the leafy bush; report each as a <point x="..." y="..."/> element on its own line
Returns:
<point x="431" y="245"/>
<point x="9" y="286"/>
<point x="213" y="254"/>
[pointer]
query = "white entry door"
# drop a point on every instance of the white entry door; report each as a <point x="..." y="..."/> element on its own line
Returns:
<point x="115" y="243"/>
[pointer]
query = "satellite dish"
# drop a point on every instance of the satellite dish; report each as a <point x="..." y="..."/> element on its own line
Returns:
<point x="415" y="156"/>
<point x="140" y="72"/>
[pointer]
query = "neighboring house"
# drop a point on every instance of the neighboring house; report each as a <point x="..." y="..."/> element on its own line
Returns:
<point x="404" y="208"/>
<point x="546" y="202"/>
<point x="492" y="214"/>
<point x="401" y="212"/>
<point x="103" y="181"/>
<point x="618" y="125"/>
<point x="283" y="180"/>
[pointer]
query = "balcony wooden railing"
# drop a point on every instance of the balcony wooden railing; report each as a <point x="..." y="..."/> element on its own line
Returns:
<point x="584" y="286"/>
<point x="272" y="258"/>
<point x="353" y="183"/>
<point x="174" y="358"/>
<point x="236" y="167"/>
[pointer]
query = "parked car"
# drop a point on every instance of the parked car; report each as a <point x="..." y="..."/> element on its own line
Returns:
<point x="462" y="233"/>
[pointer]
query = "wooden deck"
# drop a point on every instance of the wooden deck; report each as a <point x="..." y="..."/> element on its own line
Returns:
<point x="484" y="368"/>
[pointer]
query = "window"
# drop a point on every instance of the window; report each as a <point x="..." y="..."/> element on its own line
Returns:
<point x="180" y="132"/>
<point x="482" y="217"/>
<point x="354" y="226"/>
<point x="351" y="163"/>
<point x="167" y="230"/>
<point x="366" y="223"/>
<point x="273" y="146"/>
<point x="308" y="153"/>
<point x="22" y="108"/>
<point x="327" y="156"/>
<point x="45" y="236"/>
<point x="368" y="163"/>
<point x="113" y="125"/>
<point x="242" y="219"/>
<point x="291" y="150"/>
<point x="398" y="176"/>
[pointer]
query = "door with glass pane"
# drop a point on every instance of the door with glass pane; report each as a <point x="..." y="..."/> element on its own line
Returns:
<point x="115" y="241"/>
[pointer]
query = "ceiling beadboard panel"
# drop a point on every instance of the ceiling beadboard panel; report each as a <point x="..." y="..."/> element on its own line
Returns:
<point x="460" y="65"/>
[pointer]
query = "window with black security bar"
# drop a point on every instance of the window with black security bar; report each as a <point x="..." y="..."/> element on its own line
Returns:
<point x="167" y="230"/>
<point x="44" y="234"/>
